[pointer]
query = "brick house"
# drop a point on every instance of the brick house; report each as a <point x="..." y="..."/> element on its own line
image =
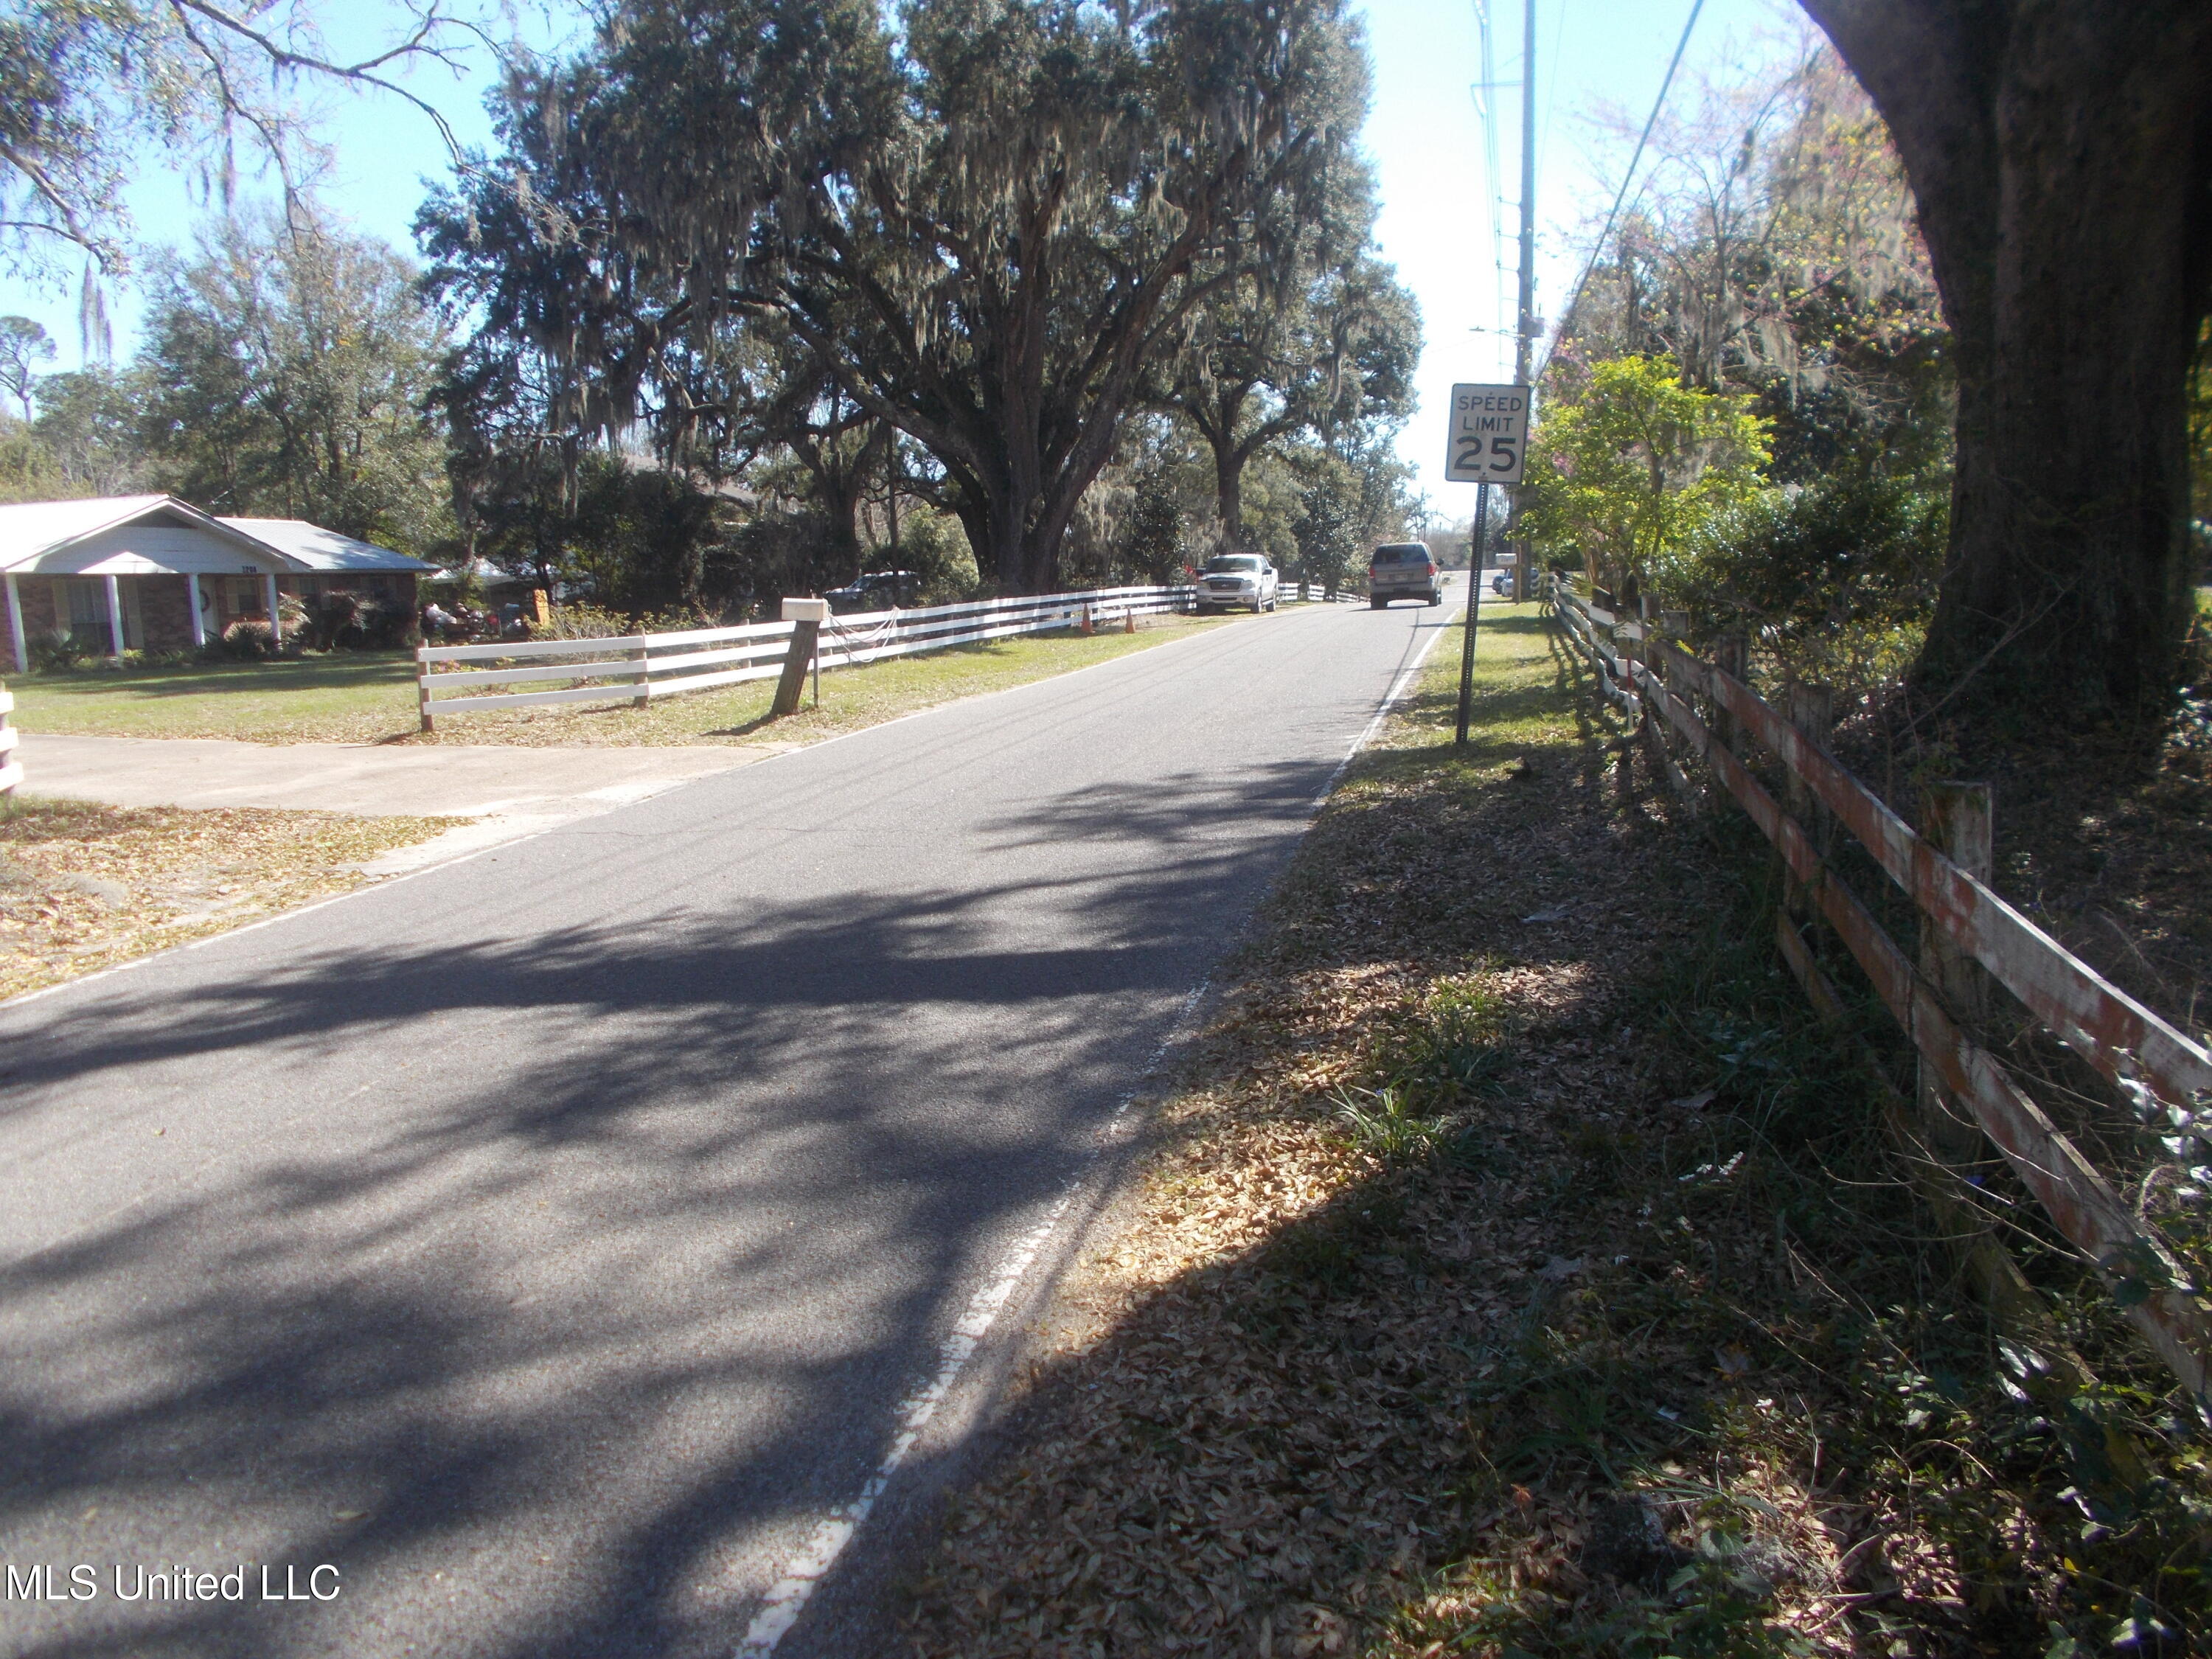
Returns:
<point x="151" y="572"/>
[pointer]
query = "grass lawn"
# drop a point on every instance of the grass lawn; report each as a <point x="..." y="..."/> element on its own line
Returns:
<point x="369" y="697"/>
<point x="85" y="886"/>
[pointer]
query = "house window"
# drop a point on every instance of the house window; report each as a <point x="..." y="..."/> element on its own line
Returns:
<point x="86" y="601"/>
<point x="245" y="597"/>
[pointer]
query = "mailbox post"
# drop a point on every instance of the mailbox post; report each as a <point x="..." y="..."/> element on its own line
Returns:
<point x="805" y="616"/>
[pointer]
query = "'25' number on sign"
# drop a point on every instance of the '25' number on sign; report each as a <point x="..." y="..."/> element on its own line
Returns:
<point x="1501" y="449"/>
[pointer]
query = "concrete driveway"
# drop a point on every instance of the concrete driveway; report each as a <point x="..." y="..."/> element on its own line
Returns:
<point x="510" y="791"/>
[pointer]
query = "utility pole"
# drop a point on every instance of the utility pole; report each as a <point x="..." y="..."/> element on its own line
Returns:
<point x="1524" y="580"/>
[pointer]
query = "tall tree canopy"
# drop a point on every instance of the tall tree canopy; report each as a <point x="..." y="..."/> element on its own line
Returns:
<point x="983" y="222"/>
<point x="1332" y="355"/>
<point x="24" y="347"/>
<point x="2061" y="152"/>
<point x="88" y="86"/>
<point x="1323" y="340"/>
<point x="1773" y="250"/>
<point x="286" y="371"/>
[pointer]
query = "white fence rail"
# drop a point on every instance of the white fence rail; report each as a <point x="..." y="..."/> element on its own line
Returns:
<point x="639" y="667"/>
<point x="11" y="770"/>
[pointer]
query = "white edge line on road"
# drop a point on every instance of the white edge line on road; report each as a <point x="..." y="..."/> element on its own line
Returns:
<point x="786" y="1599"/>
<point x="1383" y="710"/>
<point x="804" y="1574"/>
<point x="378" y="884"/>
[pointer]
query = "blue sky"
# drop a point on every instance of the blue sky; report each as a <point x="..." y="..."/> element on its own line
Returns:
<point x="1424" y="136"/>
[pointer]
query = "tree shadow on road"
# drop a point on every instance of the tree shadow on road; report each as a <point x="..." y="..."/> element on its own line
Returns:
<point x="603" y="1290"/>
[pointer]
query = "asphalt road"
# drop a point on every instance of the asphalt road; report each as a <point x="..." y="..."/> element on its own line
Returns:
<point x="546" y="1242"/>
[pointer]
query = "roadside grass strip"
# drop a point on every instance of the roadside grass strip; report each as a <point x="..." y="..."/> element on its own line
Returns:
<point x="371" y="698"/>
<point x="84" y="886"/>
<point x="1519" y="1269"/>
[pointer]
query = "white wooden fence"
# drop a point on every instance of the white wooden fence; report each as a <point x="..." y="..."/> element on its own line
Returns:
<point x="11" y="770"/>
<point x="638" y="667"/>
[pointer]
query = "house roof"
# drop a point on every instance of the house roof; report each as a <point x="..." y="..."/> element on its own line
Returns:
<point x="318" y="548"/>
<point x="30" y="528"/>
<point x="30" y="531"/>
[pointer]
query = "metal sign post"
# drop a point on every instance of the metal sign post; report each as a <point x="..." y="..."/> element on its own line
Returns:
<point x="1474" y="609"/>
<point x="1488" y="444"/>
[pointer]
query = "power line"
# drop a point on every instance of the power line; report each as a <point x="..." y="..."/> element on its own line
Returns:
<point x="1597" y="248"/>
<point x="1551" y="94"/>
<point x="1486" y="106"/>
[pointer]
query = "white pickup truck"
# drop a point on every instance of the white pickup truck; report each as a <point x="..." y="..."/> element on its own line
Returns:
<point x="1232" y="581"/>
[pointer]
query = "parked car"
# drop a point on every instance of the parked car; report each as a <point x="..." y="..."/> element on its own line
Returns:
<point x="879" y="590"/>
<point x="1501" y="583"/>
<point x="1233" y="580"/>
<point x="1404" y="571"/>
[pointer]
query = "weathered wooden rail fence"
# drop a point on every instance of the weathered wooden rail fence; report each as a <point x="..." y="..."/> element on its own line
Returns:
<point x="640" y="667"/>
<point x="2166" y="1077"/>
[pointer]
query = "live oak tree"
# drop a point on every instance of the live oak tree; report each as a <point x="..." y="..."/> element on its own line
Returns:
<point x="89" y="427"/>
<point x="90" y="89"/>
<point x="1323" y="340"/>
<point x="2061" y="154"/>
<point x="984" y="223"/>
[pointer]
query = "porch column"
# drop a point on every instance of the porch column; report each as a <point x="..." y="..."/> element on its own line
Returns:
<point x="192" y="602"/>
<point x="276" y="627"/>
<point x="15" y="627"/>
<point x="115" y="618"/>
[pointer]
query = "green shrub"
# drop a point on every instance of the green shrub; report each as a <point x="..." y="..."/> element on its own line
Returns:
<point x="57" y="652"/>
<point x="1836" y="578"/>
<point x="249" y="639"/>
<point x="935" y="547"/>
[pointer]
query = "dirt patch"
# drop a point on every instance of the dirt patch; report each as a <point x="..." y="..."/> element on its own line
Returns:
<point x="84" y="886"/>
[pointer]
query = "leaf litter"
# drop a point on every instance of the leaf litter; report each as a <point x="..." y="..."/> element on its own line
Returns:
<point x="85" y="886"/>
<point x="1495" y="1290"/>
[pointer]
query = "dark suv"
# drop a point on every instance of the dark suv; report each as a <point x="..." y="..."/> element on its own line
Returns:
<point x="879" y="590"/>
<point x="1403" y="570"/>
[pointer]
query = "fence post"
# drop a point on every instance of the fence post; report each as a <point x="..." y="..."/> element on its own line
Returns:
<point x="1732" y="656"/>
<point x="643" y="658"/>
<point x="1628" y="646"/>
<point x="423" y="687"/>
<point x="1958" y="820"/>
<point x="804" y="616"/>
<point x="1812" y="712"/>
<point x="1672" y="625"/>
<point x="11" y="770"/>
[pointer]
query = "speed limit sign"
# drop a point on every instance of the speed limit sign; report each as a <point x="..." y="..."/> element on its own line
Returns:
<point x="1489" y="435"/>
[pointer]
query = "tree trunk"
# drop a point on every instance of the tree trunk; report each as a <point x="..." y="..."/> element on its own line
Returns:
<point x="2060" y="151"/>
<point x="1228" y="494"/>
<point x="1219" y="428"/>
